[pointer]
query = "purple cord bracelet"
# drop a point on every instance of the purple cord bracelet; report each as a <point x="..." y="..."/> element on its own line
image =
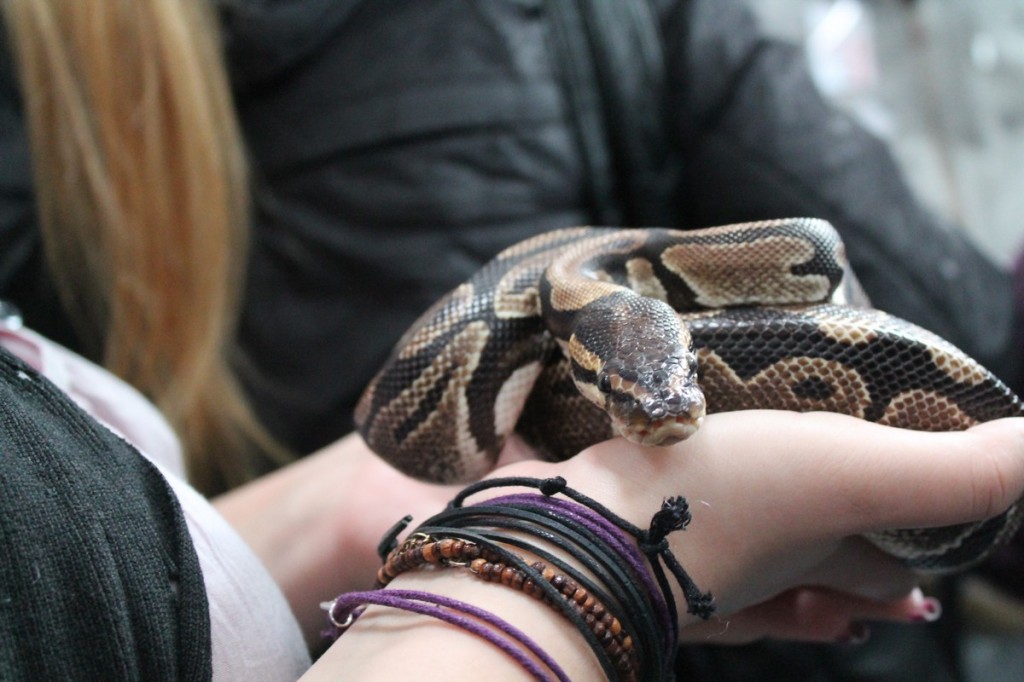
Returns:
<point x="342" y="613"/>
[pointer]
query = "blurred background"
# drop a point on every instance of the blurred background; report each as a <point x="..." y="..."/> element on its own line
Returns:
<point x="943" y="82"/>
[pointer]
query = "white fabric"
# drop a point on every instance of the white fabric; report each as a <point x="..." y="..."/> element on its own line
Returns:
<point x="254" y="634"/>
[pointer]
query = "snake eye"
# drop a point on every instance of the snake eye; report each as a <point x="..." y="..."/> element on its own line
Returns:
<point x="604" y="383"/>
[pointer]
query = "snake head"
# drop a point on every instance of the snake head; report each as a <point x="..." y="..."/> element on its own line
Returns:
<point x="651" y="397"/>
<point x="653" y="401"/>
<point x="632" y="358"/>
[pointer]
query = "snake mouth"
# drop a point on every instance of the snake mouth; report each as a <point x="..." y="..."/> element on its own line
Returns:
<point x="663" y="432"/>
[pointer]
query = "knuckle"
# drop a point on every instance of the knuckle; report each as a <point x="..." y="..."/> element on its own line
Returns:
<point x="997" y="476"/>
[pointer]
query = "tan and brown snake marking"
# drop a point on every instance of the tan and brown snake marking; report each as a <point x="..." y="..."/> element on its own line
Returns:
<point x="579" y="334"/>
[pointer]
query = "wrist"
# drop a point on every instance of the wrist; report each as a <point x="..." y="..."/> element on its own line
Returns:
<point x="605" y="578"/>
<point x="388" y="643"/>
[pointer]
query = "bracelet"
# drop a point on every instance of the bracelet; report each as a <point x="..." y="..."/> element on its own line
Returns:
<point x="547" y="592"/>
<point x="602" y="556"/>
<point x="607" y="576"/>
<point x="493" y="565"/>
<point x="623" y="597"/>
<point x="344" y="611"/>
<point x="581" y="516"/>
<point x="674" y="515"/>
<point x="604" y="530"/>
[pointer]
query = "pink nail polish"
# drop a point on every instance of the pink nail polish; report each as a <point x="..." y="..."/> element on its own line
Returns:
<point x="929" y="611"/>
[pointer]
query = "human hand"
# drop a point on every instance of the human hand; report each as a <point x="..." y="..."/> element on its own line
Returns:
<point x="779" y="501"/>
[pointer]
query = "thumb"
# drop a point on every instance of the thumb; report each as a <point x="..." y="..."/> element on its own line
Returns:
<point x="911" y="479"/>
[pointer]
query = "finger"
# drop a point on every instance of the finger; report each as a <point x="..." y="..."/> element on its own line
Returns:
<point x="813" y="614"/>
<point x="859" y="568"/>
<point x="919" y="480"/>
<point x="851" y="565"/>
<point x="854" y="476"/>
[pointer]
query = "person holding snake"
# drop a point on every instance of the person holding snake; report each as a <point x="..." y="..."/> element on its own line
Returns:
<point x="790" y="566"/>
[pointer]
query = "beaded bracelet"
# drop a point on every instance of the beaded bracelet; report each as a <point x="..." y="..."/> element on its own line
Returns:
<point x="493" y="565"/>
<point x="604" y="559"/>
<point x="549" y="593"/>
<point x="623" y="595"/>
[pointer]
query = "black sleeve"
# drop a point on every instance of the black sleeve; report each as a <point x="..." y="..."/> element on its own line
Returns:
<point x="98" y="576"/>
<point x="758" y="141"/>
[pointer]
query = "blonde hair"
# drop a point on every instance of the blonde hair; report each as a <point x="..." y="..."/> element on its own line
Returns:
<point x="142" y="192"/>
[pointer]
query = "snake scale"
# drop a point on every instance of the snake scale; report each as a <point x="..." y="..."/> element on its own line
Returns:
<point x="579" y="334"/>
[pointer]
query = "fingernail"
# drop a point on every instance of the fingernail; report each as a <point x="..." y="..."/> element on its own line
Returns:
<point x="928" y="611"/>
<point x="857" y="634"/>
<point x="925" y="609"/>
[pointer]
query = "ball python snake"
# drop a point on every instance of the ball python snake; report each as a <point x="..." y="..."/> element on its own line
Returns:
<point x="582" y="333"/>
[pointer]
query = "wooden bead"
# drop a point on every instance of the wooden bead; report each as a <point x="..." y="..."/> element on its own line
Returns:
<point x="445" y="547"/>
<point x="508" y="575"/>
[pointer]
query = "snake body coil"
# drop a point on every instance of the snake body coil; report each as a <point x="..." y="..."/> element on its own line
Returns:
<point x="577" y="335"/>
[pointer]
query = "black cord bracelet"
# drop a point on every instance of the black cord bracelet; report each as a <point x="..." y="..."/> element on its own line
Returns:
<point x="621" y="589"/>
<point x="597" y="557"/>
<point x="674" y="515"/>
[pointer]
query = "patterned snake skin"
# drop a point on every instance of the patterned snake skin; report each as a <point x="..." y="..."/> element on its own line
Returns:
<point x="577" y="335"/>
